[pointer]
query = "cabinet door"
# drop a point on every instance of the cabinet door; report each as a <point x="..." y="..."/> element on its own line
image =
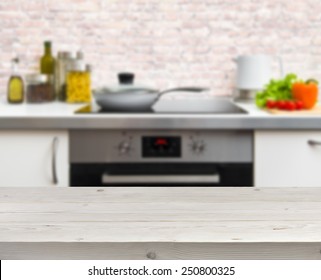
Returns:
<point x="287" y="159"/>
<point x="34" y="158"/>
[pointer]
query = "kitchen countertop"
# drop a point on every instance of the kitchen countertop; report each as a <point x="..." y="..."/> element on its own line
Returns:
<point x="60" y="115"/>
<point x="160" y="223"/>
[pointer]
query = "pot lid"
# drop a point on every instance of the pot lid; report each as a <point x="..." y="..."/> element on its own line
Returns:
<point x="125" y="88"/>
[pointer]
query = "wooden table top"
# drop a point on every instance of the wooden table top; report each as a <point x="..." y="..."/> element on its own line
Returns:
<point x="164" y="214"/>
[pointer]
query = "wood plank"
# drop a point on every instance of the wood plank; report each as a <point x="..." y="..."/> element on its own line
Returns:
<point x="136" y="231"/>
<point x="161" y="251"/>
<point x="132" y="211"/>
<point x="148" y="194"/>
<point x="83" y="218"/>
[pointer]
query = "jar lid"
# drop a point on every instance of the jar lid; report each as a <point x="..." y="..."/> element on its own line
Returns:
<point x="80" y="55"/>
<point x="66" y="55"/>
<point x="36" y="78"/>
<point x="89" y="68"/>
<point x="77" y="65"/>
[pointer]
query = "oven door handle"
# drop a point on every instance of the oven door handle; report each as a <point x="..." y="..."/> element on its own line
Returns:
<point x="137" y="179"/>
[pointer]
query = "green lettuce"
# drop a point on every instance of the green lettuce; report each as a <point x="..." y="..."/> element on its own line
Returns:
<point x="276" y="90"/>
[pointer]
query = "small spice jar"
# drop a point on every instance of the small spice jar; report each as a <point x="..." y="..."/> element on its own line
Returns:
<point x="39" y="89"/>
<point x="78" y="82"/>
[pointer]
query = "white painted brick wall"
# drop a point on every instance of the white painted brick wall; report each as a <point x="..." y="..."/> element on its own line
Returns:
<point x="165" y="42"/>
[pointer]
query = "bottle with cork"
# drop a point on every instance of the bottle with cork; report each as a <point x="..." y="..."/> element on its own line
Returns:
<point x="47" y="63"/>
<point x="16" y="85"/>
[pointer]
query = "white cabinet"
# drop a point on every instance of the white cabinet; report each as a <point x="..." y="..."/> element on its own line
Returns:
<point x="34" y="158"/>
<point x="287" y="158"/>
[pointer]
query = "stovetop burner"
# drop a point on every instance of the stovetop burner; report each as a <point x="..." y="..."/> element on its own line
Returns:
<point x="199" y="106"/>
<point x="101" y="111"/>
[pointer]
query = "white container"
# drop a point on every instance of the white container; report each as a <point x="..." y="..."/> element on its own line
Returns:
<point x="255" y="71"/>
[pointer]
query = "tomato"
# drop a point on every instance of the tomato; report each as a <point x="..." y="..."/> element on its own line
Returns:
<point x="287" y="105"/>
<point x="290" y="105"/>
<point x="298" y="104"/>
<point x="280" y="104"/>
<point x="271" y="104"/>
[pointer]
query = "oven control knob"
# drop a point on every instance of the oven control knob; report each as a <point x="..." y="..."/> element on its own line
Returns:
<point x="198" y="146"/>
<point x="124" y="148"/>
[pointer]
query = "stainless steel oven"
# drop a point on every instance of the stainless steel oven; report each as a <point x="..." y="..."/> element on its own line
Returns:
<point x="161" y="158"/>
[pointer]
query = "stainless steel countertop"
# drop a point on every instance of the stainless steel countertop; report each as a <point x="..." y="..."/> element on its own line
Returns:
<point x="61" y="116"/>
<point x="164" y="123"/>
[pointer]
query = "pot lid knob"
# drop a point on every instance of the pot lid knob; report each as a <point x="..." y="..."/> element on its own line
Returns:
<point x="126" y="78"/>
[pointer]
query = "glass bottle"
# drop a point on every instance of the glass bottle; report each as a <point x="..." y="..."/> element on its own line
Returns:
<point x="15" y="85"/>
<point x="47" y="62"/>
<point x="62" y="64"/>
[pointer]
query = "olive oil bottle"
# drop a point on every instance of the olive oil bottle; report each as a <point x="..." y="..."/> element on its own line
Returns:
<point x="47" y="62"/>
<point x="15" y="85"/>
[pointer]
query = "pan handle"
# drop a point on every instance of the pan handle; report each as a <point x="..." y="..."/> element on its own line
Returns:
<point x="190" y="89"/>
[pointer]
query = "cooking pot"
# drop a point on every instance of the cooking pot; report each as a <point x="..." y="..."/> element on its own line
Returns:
<point x="134" y="98"/>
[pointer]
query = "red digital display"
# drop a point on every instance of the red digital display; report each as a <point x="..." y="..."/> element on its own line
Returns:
<point x="159" y="146"/>
<point x="161" y="142"/>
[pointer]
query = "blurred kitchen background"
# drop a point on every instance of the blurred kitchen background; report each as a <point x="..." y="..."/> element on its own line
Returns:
<point x="164" y="42"/>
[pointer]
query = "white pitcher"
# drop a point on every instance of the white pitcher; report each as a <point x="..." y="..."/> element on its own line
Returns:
<point x="255" y="71"/>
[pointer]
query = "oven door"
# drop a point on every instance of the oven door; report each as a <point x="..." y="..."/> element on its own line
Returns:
<point x="162" y="174"/>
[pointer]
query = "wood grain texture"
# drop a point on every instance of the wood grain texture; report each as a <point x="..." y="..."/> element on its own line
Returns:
<point x="162" y="251"/>
<point x="176" y="223"/>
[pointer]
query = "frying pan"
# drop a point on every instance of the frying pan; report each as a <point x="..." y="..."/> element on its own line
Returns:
<point x="131" y="99"/>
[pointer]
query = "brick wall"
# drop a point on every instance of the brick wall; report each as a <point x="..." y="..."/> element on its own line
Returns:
<point x="165" y="42"/>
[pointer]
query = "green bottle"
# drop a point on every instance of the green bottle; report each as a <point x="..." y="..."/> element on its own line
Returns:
<point x="47" y="62"/>
<point x="15" y="86"/>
